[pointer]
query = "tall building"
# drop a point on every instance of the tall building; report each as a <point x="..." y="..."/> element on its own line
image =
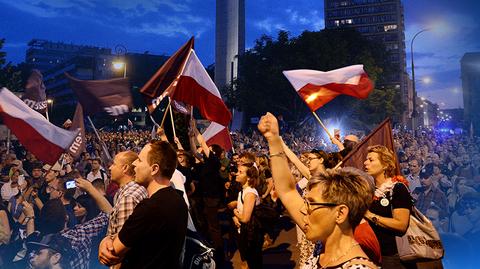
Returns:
<point x="229" y="39"/>
<point x="229" y="44"/>
<point x="470" y="68"/>
<point x="44" y="55"/>
<point x="379" y="20"/>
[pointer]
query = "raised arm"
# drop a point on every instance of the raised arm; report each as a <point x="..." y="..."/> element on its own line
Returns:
<point x="101" y="201"/>
<point x="296" y="161"/>
<point x="282" y="177"/>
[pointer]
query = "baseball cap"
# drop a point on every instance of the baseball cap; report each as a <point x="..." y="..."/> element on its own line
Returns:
<point x="426" y="171"/>
<point x="55" y="242"/>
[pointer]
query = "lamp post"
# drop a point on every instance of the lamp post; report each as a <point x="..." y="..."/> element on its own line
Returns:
<point x="49" y="101"/>
<point x="120" y="50"/>
<point x="414" y="101"/>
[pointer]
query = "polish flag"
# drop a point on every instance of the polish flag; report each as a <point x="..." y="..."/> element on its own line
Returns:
<point x="318" y="88"/>
<point x="45" y="140"/>
<point x="218" y="134"/>
<point x="195" y="87"/>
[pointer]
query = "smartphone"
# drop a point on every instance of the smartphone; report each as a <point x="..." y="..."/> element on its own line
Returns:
<point x="70" y="184"/>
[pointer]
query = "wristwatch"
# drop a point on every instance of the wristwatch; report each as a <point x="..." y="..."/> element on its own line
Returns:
<point x="375" y="219"/>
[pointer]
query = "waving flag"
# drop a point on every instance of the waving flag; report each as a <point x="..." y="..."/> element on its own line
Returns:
<point x="35" y="96"/>
<point x="218" y="134"/>
<point x="78" y="123"/>
<point x="112" y="96"/>
<point x="318" y="88"/>
<point x="382" y="135"/>
<point x="45" y="140"/>
<point x="155" y="89"/>
<point x="185" y="80"/>
<point x="196" y="88"/>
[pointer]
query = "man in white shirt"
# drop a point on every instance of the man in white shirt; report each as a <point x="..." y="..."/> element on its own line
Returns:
<point x="97" y="171"/>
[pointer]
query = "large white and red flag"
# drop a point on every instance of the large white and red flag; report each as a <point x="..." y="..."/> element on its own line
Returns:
<point x="318" y="88"/>
<point x="218" y="134"/>
<point x="186" y="81"/>
<point x="45" y="140"/>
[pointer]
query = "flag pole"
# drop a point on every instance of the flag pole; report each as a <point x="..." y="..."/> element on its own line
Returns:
<point x="99" y="139"/>
<point x="165" y="113"/>
<point x="321" y="124"/>
<point x="9" y="134"/>
<point x="171" y="119"/>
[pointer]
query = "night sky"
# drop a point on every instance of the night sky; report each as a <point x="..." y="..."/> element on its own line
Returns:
<point x="161" y="26"/>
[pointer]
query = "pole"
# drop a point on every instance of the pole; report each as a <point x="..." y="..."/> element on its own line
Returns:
<point x="165" y="113"/>
<point x="99" y="139"/>
<point x="46" y="111"/>
<point x="321" y="124"/>
<point x="414" y="101"/>
<point x="125" y="69"/>
<point x="9" y="134"/>
<point x="171" y="119"/>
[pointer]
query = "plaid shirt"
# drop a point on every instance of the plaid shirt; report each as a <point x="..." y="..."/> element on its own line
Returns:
<point x="81" y="237"/>
<point x="125" y="200"/>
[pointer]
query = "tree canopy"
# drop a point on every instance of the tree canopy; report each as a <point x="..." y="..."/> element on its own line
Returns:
<point x="262" y="87"/>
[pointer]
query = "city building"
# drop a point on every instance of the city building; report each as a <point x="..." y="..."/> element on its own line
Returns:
<point x="229" y="44"/>
<point x="55" y="59"/>
<point x="379" y="20"/>
<point x="470" y="69"/>
<point x="44" y="55"/>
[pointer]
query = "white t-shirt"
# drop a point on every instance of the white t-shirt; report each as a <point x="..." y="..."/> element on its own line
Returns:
<point x="244" y="193"/>
<point x="7" y="191"/>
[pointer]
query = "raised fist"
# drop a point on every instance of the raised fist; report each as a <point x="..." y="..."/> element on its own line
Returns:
<point x="268" y="126"/>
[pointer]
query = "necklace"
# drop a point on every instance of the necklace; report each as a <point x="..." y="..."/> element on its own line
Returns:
<point x="339" y="257"/>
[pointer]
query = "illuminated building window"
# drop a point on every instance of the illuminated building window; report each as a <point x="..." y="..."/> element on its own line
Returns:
<point x="389" y="27"/>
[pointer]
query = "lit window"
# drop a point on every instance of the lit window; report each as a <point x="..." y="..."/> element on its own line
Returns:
<point x="348" y="21"/>
<point x="337" y="23"/>
<point x="33" y="59"/>
<point x="389" y="27"/>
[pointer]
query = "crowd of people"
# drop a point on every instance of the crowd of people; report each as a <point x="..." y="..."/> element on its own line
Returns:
<point x="136" y="209"/>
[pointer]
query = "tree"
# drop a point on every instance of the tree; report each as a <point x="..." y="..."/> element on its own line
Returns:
<point x="11" y="76"/>
<point x="262" y="86"/>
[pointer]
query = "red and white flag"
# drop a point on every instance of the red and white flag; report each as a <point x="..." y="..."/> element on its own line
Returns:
<point x="45" y="140"/>
<point x="196" y="88"/>
<point x="318" y="88"/>
<point x="218" y="134"/>
<point x="186" y="81"/>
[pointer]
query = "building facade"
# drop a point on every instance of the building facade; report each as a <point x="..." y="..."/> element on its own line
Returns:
<point x="470" y="70"/>
<point x="229" y="39"/>
<point x="379" y="20"/>
<point x="44" y="55"/>
<point x="55" y="59"/>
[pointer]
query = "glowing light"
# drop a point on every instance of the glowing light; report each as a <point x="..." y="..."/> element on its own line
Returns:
<point x="427" y="80"/>
<point x="118" y="65"/>
<point x="312" y="97"/>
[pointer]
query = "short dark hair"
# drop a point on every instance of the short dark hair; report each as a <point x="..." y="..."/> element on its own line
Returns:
<point x="52" y="217"/>
<point x="164" y="155"/>
<point x="99" y="183"/>
<point x="217" y="150"/>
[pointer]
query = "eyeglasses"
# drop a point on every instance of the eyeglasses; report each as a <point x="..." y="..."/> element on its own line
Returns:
<point x="50" y="188"/>
<point x="308" y="206"/>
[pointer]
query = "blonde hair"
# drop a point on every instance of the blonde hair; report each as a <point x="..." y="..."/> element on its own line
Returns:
<point x="387" y="159"/>
<point x="347" y="186"/>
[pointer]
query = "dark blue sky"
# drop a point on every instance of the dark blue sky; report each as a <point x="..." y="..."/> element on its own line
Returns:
<point x="161" y="26"/>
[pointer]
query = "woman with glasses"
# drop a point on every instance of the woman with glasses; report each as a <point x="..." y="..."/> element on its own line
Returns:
<point x="335" y="204"/>
<point x="389" y="213"/>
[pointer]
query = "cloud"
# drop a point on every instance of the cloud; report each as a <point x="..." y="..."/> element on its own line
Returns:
<point x="311" y="18"/>
<point x="269" y="25"/>
<point x="174" y="26"/>
<point x="160" y="17"/>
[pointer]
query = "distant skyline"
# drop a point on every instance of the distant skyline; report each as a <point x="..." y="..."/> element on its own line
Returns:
<point x="161" y="26"/>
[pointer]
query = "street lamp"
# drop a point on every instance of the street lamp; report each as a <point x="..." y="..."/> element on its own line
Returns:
<point x="49" y="102"/>
<point x="120" y="50"/>
<point x="414" y="111"/>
